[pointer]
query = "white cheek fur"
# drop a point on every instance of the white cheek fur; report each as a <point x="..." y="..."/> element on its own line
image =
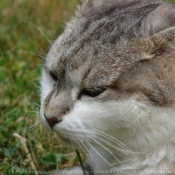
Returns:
<point x="139" y="126"/>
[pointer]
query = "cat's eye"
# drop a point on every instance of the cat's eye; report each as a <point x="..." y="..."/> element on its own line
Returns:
<point x="92" y="92"/>
<point x="53" y="76"/>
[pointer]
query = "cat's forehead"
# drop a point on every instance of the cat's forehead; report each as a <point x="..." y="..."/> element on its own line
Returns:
<point x="90" y="64"/>
<point x="97" y="42"/>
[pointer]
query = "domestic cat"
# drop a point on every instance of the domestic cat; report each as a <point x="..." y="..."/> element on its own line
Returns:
<point x="108" y="86"/>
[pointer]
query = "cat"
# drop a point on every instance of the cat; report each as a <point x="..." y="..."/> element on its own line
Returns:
<point x="108" y="86"/>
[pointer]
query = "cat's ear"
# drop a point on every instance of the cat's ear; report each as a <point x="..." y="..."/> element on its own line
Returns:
<point x="156" y="45"/>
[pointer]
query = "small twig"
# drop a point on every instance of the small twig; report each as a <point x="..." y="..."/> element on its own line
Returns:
<point x="81" y="162"/>
<point x="23" y="142"/>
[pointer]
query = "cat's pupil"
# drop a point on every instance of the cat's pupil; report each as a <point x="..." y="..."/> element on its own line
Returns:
<point x="53" y="76"/>
<point x="92" y="92"/>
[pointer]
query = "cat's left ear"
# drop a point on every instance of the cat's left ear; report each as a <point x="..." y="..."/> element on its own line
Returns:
<point x="156" y="45"/>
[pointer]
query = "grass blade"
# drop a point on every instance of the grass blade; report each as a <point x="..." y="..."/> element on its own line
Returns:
<point x="81" y="162"/>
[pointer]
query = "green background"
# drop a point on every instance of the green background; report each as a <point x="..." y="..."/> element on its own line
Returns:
<point x="23" y="144"/>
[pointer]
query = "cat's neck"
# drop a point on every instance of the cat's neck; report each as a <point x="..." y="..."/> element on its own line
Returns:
<point x="159" y="161"/>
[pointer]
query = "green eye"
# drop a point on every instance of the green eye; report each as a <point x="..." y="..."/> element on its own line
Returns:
<point x="53" y="76"/>
<point x="92" y="92"/>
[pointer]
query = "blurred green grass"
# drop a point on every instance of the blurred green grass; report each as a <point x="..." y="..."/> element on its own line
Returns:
<point x="19" y="83"/>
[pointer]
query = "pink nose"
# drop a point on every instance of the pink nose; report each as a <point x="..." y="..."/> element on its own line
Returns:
<point x="52" y="121"/>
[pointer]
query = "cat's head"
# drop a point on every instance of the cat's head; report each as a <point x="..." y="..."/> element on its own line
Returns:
<point x="111" y="75"/>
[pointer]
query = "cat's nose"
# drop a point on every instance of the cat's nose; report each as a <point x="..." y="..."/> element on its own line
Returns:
<point x="52" y="121"/>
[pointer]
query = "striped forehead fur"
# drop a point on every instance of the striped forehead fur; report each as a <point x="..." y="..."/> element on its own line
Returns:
<point x="93" y="33"/>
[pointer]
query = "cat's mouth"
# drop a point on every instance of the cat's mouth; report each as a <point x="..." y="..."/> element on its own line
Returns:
<point x="63" y="134"/>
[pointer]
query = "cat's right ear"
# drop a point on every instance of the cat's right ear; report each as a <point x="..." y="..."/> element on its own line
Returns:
<point x="161" y="43"/>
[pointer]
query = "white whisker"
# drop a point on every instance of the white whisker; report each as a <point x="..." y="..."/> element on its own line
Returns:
<point x="36" y="104"/>
<point x="33" y="127"/>
<point x="32" y="53"/>
<point x="89" y="154"/>
<point x="41" y="48"/>
<point x="113" y="146"/>
<point x="126" y="149"/>
<point x="106" y="150"/>
<point x="40" y="31"/>
<point x="35" y="89"/>
<point x="138" y="140"/>
<point x="118" y="142"/>
<point x="71" y="142"/>
<point x="37" y="65"/>
<point x="100" y="155"/>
